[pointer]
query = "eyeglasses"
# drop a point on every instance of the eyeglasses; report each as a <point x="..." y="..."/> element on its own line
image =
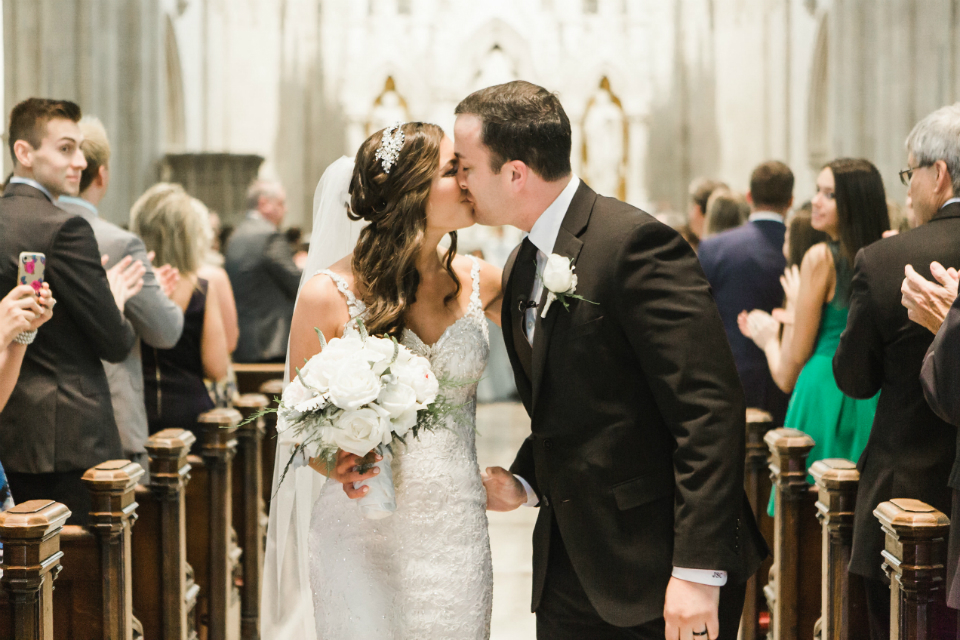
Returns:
<point x="907" y="174"/>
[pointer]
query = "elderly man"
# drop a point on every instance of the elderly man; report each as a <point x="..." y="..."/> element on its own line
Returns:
<point x="265" y="279"/>
<point x="910" y="453"/>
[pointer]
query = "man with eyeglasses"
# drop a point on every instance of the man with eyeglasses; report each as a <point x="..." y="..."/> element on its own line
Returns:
<point x="911" y="451"/>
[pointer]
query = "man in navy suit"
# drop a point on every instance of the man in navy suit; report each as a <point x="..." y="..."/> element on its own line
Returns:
<point x="744" y="266"/>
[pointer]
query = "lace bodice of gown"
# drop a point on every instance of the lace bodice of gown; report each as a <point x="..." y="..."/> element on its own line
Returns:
<point x="425" y="571"/>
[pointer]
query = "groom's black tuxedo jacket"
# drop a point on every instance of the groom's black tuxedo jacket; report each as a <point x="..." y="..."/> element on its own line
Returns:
<point x="637" y="443"/>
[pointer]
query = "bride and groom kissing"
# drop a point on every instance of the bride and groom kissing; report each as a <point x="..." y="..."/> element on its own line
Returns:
<point x="636" y="452"/>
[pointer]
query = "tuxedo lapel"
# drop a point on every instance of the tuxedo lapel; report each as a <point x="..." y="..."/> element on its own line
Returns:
<point x="569" y="246"/>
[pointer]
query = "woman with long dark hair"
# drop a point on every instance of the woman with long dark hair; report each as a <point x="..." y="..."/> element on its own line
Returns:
<point x="424" y="572"/>
<point x="850" y="207"/>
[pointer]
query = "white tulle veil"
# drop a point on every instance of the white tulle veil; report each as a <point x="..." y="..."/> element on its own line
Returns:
<point x="286" y="608"/>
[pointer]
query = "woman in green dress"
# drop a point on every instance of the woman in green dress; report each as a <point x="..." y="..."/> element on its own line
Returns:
<point x="850" y="207"/>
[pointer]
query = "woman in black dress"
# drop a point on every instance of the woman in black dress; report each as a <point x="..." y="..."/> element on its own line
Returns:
<point x="173" y="226"/>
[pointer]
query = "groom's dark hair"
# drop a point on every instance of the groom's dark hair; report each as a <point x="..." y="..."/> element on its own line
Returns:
<point x="522" y="121"/>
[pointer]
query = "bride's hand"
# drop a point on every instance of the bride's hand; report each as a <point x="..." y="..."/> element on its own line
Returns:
<point x="346" y="471"/>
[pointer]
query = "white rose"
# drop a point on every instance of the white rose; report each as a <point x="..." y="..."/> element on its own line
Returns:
<point x="417" y="375"/>
<point x="295" y="393"/>
<point x="558" y="275"/>
<point x="360" y="431"/>
<point x="354" y="385"/>
<point x="323" y="367"/>
<point x="405" y="422"/>
<point x="397" y="398"/>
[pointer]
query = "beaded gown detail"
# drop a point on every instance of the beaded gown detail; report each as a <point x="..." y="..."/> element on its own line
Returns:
<point x="425" y="572"/>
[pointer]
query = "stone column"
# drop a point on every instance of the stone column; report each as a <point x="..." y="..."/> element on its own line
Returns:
<point x="30" y="533"/>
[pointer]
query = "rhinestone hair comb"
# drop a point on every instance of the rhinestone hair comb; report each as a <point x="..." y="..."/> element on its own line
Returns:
<point x="390" y="145"/>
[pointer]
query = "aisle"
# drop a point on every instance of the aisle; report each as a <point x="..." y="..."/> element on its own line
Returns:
<point x="502" y="427"/>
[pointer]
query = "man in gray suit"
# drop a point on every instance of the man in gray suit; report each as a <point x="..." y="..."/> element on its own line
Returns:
<point x="259" y="261"/>
<point x="156" y="319"/>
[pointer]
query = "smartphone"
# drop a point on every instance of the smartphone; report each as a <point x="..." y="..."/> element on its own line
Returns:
<point x="31" y="268"/>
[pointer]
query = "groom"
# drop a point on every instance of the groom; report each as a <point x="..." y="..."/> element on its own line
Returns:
<point x="637" y="446"/>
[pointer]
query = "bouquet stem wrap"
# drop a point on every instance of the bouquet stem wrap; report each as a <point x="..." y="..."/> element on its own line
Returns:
<point x="380" y="500"/>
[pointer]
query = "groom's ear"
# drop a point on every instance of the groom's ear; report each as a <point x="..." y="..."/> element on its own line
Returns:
<point x="517" y="173"/>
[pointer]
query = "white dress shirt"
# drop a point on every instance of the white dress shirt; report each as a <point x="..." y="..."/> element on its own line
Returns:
<point x="33" y="183"/>
<point x="543" y="235"/>
<point x="765" y="215"/>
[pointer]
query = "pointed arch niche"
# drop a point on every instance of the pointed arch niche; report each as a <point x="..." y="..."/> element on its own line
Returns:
<point x="389" y="107"/>
<point x="174" y="116"/>
<point x="605" y="142"/>
<point x="818" y="107"/>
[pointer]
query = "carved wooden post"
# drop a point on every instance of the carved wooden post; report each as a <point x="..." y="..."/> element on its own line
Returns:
<point x="112" y="514"/>
<point x="756" y="484"/>
<point x="788" y="469"/>
<point x="169" y="475"/>
<point x="913" y="558"/>
<point x="272" y="389"/>
<point x="249" y="519"/>
<point x="30" y="533"/>
<point x="843" y="608"/>
<point x="218" y="448"/>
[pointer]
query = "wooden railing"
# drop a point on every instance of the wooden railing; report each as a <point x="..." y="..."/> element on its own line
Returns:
<point x="757" y="484"/>
<point x="30" y="534"/>
<point x="272" y="389"/>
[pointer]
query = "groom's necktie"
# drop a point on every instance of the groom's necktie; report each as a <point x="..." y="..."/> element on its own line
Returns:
<point x="525" y="270"/>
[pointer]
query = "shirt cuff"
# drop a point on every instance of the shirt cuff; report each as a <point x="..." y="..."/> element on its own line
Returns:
<point x="532" y="499"/>
<point x="702" y="576"/>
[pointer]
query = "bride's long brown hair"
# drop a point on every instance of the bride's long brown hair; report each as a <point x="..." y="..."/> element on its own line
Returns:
<point x="395" y="205"/>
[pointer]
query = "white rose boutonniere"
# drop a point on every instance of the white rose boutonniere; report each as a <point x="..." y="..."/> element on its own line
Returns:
<point x="560" y="282"/>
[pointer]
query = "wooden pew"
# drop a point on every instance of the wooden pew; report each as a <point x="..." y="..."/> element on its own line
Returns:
<point x="212" y="548"/>
<point x="93" y="598"/>
<point x="913" y="558"/>
<point x="757" y="484"/>
<point x="844" y="607"/>
<point x="249" y="517"/>
<point x="272" y="389"/>
<point x="793" y="592"/>
<point x="250" y="377"/>
<point x="164" y="591"/>
<point x="30" y="533"/>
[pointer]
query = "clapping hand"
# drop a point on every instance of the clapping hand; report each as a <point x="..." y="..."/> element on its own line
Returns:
<point x="167" y="277"/>
<point x="125" y="278"/>
<point x="504" y="491"/>
<point x="759" y="326"/>
<point x="346" y="470"/>
<point x="790" y="281"/>
<point x="927" y="303"/>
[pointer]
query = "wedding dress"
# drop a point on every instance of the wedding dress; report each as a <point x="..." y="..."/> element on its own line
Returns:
<point x="423" y="573"/>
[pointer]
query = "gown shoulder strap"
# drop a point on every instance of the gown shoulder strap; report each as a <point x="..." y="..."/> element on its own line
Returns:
<point x="356" y="307"/>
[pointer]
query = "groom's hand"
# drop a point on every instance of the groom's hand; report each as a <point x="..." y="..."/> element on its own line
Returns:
<point x="504" y="491"/>
<point x="690" y="608"/>
<point x="347" y="471"/>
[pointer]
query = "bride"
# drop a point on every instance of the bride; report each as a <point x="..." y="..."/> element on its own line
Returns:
<point x="425" y="571"/>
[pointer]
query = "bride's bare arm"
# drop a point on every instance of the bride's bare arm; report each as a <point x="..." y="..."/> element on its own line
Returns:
<point x="320" y="306"/>
<point x="491" y="293"/>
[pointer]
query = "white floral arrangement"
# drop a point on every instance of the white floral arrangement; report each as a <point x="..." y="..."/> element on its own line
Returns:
<point x="362" y="394"/>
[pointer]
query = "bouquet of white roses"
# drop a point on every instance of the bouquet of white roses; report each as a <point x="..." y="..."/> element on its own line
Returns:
<point x="360" y="394"/>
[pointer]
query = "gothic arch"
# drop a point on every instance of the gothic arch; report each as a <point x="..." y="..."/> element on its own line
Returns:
<point x="496" y="34"/>
<point x="818" y="106"/>
<point x="175" y="111"/>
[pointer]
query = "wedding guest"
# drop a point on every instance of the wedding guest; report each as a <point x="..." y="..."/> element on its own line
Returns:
<point x="156" y="319"/>
<point x="911" y="451"/>
<point x="265" y="279"/>
<point x="726" y="209"/>
<point x="801" y="235"/>
<point x="21" y="311"/>
<point x="743" y="267"/>
<point x="850" y="207"/>
<point x="174" y="226"/>
<point x="700" y="190"/>
<point x="213" y="271"/>
<point x="59" y="421"/>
